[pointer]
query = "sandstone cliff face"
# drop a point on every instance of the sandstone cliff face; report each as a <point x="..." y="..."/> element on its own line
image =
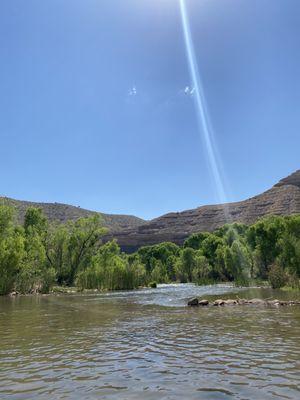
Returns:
<point x="282" y="199"/>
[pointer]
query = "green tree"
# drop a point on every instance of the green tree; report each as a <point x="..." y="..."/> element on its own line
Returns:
<point x="289" y="246"/>
<point x="209" y="247"/>
<point x="56" y="250"/>
<point x="34" y="219"/>
<point x="263" y="238"/>
<point x="166" y="253"/>
<point x="30" y="275"/>
<point x="201" y="273"/>
<point x="242" y="262"/>
<point x="109" y="269"/>
<point x="35" y="275"/>
<point x="277" y="276"/>
<point x="195" y="240"/>
<point x="185" y="265"/>
<point x="159" y="272"/>
<point x="12" y="250"/>
<point x="84" y="239"/>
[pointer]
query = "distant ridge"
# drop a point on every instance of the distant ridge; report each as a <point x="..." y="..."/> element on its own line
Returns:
<point x="64" y="212"/>
<point x="282" y="199"/>
<point x="293" y="179"/>
<point x="132" y="232"/>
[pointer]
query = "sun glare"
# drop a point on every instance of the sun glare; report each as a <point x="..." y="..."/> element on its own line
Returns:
<point x="205" y="127"/>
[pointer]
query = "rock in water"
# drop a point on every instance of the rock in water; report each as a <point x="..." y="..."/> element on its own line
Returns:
<point x="231" y="302"/>
<point x="219" y="302"/>
<point x="234" y="302"/>
<point x="243" y="301"/>
<point x="257" y="301"/>
<point x="193" y="302"/>
<point x="203" y="302"/>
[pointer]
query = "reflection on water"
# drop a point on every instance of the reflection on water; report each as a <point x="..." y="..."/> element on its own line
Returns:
<point x="145" y="345"/>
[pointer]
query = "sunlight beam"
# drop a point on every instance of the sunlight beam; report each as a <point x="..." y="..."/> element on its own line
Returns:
<point x="202" y="113"/>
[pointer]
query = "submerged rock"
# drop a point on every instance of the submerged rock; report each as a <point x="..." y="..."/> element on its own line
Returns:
<point x="193" y="302"/>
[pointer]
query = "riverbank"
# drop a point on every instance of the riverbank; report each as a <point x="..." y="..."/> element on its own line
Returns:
<point x="232" y="292"/>
<point x="153" y="285"/>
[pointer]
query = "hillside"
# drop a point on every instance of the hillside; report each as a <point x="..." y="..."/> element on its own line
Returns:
<point x="132" y="232"/>
<point x="281" y="199"/>
<point x="64" y="212"/>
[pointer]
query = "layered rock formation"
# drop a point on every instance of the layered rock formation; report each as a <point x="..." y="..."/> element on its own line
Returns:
<point x="281" y="199"/>
<point x="132" y="232"/>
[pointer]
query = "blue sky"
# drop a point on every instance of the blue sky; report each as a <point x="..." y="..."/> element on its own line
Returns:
<point x="97" y="106"/>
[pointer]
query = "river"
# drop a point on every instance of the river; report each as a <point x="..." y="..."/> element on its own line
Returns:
<point x="147" y="344"/>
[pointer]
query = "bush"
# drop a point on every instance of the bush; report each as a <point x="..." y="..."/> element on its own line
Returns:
<point x="30" y="280"/>
<point x="293" y="281"/>
<point x="277" y="277"/>
<point x="26" y="280"/>
<point x="48" y="280"/>
<point x="201" y="271"/>
<point x="91" y="278"/>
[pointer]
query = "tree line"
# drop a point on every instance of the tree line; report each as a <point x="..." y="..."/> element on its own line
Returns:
<point x="38" y="255"/>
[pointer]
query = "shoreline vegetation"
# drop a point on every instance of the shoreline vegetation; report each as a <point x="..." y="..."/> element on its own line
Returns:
<point x="43" y="257"/>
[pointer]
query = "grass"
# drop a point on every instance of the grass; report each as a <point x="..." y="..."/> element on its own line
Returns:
<point x="290" y="289"/>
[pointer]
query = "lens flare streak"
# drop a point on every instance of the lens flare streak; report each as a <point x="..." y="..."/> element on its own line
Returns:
<point x="202" y="113"/>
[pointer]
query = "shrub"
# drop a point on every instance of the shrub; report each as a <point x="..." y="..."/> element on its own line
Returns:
<point x="277" y="277"/>
<point x="293" y="281"/>
<point x="201" y="271"/>
<point x="48" y="279"/>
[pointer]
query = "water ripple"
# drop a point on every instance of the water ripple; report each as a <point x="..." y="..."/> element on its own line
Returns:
<point x="131" y="346"/>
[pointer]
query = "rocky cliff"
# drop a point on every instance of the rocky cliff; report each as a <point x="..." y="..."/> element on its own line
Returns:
<point x="281" y="199"/>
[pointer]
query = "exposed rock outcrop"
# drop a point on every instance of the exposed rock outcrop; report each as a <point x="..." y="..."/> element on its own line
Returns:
<point x="281" y="199"/>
